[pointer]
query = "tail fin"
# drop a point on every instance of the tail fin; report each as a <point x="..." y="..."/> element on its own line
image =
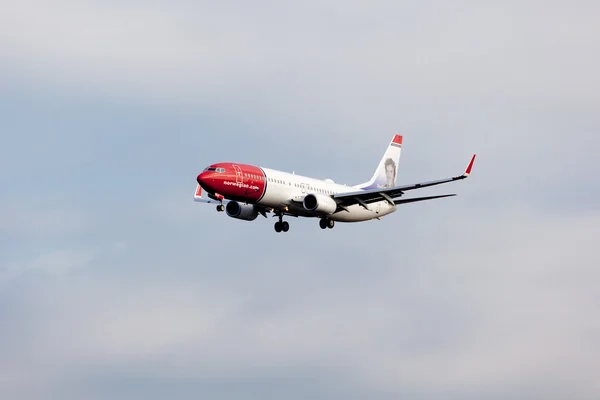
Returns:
<point x="386" y="172"/>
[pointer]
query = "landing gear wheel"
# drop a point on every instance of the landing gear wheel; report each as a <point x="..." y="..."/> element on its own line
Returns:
<point x="330" y="223"/>
<point x="323" y="223"/>
<point x="285" y="226"/>
<point x="278" y="227"/>
<point x="220" y="208"/>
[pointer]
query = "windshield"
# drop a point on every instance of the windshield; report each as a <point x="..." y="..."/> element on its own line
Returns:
<point x="214" y="169"/>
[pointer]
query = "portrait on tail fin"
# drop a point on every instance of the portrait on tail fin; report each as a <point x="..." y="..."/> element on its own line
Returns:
<point x="390" y="173"/>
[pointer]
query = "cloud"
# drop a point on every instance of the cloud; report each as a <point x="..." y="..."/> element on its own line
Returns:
<point x="53" y="262"/>
<point x="332" y="59"/>
<point x="422" y="323"/>
<point x="29" y="218"/>
<point x="60" y="261"/>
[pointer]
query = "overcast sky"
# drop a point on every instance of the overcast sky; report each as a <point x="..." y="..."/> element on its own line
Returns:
<point x="114" y="284"/>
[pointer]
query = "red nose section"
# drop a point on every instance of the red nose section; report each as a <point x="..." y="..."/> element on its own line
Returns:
<point x="234" y="181"/>
<point x="204" y="176"/>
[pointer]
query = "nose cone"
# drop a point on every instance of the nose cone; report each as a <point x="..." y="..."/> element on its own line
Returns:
<point x="201" y="178"/>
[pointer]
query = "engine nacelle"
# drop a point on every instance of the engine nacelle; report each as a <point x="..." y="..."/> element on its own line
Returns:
<point x="247" y="212"/>
<point x="319" y="203"/>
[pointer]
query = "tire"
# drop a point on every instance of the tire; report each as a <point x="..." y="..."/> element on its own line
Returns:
<point x="323" y="223"/>
<point x="330" y="223"/>
<point x="285" y="226"/>
<point x="278" y="227"/>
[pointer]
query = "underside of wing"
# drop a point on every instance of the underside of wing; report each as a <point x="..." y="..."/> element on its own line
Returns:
<point x="416" y="199"/>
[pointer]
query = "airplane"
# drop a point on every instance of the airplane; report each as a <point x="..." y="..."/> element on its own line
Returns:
<point x="244" y="191"/>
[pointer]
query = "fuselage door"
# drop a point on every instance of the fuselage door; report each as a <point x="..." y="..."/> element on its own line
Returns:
<point x="303" y="187"/>
<point x="239" y="177"/>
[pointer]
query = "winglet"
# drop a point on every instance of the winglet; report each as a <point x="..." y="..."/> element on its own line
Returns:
<point x="198" y="191"/>
<point x="468" y="170"/>
<point x="198" y="196"/>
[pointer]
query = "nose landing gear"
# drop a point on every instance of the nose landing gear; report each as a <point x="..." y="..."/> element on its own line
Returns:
<point x="219" y="198"/>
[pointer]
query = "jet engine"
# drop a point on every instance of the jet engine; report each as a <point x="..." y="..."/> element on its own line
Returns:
<point x="247" y="212"/>
<point x="319" y="203"/>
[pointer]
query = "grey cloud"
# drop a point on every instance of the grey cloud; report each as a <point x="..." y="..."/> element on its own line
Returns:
<point x="422" y="322"/>
<point x="221" y="55"/>
<point x="27" y="218"/>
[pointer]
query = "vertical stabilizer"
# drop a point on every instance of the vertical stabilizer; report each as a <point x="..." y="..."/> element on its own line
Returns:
<point x="386" y="172"/>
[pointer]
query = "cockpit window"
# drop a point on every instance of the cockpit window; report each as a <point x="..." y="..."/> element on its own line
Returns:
<point x="215" y="169"/>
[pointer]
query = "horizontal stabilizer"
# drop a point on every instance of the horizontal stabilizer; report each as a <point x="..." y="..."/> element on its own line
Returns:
<point x="403" y="201"/>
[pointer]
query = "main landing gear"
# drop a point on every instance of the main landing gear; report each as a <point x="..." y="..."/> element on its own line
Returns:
<point x="325" y="223"/>
<point x="281" y="225"/>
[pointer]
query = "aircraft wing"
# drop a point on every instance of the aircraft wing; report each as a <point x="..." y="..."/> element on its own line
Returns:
<point x="364" y="197"/>
<point x="209" y="199"/>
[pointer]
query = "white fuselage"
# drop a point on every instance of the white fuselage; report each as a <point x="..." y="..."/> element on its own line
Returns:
<point x="289" y="189"/>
